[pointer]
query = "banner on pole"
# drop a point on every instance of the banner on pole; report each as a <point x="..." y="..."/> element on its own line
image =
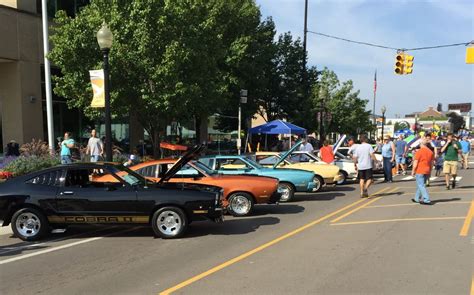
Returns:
<point x="97" y="81"/>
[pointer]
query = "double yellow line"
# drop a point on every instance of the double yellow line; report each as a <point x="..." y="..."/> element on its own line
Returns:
<point x="268" y="244"/>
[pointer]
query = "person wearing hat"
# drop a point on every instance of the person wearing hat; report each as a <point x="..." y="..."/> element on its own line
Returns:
<point x="388" y="154"/>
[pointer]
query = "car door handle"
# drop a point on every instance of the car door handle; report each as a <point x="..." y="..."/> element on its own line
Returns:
<point x="67" y="193"/>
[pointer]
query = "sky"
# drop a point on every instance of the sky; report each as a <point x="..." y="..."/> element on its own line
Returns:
<point x="439" y="75"/>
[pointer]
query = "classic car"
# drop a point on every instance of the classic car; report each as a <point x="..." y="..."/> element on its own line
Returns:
<point x="68" y="195"/>
<point x="241" y="192"/>
<point x="290" y="180"/>
<point x="342" y="153"/>
<point x="346" y="166"/>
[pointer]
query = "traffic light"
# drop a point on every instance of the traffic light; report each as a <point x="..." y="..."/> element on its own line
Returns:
<point x="470" y="53"/>
<point x="399" y="64"/>
<point x="408" y="64"/>
<point x="403" y="63"/>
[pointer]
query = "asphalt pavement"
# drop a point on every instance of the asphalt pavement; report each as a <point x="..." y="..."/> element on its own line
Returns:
<point x="331" y="242"/>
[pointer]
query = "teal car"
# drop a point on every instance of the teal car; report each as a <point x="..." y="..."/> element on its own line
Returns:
<point x="290" y="180"/>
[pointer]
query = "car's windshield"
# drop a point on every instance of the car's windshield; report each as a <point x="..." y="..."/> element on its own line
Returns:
<point x="204" y="168"/>
<point x="128" y="175"/>
<point x="252" y="162"/>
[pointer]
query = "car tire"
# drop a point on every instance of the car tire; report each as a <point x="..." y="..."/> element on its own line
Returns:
<point x="287" y="191"/>
<point x="169" y="223"/>
<point x="29" y="224"/>
<point x="343" y="177"/>
<point x="240" y="204"/>
<point x="318" y="183"/>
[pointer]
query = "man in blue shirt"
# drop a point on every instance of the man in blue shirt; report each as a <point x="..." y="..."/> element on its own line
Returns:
<point x="401" y="148"/>
<point x="66" y="146"/>
<point x="466" y="149"/>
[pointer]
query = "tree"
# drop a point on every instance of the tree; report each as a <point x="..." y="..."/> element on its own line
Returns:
<point x="347" y="111"/>
<point x="169" y="60"/>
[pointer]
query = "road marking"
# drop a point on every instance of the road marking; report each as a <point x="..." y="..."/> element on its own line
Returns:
<point x="34" y="245"/>
<point x="355" y="210"/>
<point x="63" y="246"/>
<point x="472" y="285"/>
<point x="467" y="221"/>
<point x="408" y="178"/>
<point x="441" y="192"/>
<point x="402" y="219"/>
<point x="413" y="204"/>
<point x="433" y="178"/>
<point x="255" y="250"/>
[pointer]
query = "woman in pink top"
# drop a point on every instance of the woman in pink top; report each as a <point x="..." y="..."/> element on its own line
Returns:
<point x="326" y="153"/>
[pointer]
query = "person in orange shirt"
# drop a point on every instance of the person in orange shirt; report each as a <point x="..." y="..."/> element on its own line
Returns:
<point x="326" y="153"/>
<point x="421" y="170"/>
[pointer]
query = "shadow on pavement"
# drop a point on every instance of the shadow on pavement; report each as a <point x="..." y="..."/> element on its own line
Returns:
<point x="283" y="208"/>
<point x="324" y="196"/>
<point x="389" y="194"/>
<point x="339" y="188"/>
<point x="445" y="200"/>
<point x="237" y="226"/>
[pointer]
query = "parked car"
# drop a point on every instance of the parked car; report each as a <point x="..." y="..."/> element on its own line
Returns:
<point x="290" y="180"/>
<point x="347" y="170"/>
<point x="342" y="153"/>
<point x="241" y="192"/>
<point x="325" y="174"/>
<point x="68" y="195"/>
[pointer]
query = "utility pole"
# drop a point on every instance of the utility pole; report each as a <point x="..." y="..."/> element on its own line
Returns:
<point x="47" y="77"/>
<point x="305" y="34"/>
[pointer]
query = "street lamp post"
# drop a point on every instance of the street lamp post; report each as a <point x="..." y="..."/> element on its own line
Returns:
<point x="243" y="99"/>
<point x="321" y="114"/>
<point x="384" y="109"/>
<point x="105" y="38"/>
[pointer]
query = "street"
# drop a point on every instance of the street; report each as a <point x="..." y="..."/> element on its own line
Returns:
<point x="330" y="242"/>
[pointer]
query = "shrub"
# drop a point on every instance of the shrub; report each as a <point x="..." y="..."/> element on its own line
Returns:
<point x="6" y="161"/>
<point x="36" y="148"/>
<point x="24" y="165"/>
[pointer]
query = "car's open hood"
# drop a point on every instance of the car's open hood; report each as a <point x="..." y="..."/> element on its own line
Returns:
<point x="188" y="156"/>
<point x="285" y="155"/>
<point x="338" y="143"/>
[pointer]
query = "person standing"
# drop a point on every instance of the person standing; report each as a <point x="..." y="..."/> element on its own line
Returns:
<point x="465" y="149"/>
<point x="306" y="147"/>
<point x="401" y="149"/>
<point x="363" y="155"/>
<point x="451" y="151"/>
<point x="388" y="154"/>
<point x="378" y="145"/>
<point x="326" y="153"/>
<point x="422" y="165"/>
<point x="66" y="146"/>
<point x="95" y="147"/>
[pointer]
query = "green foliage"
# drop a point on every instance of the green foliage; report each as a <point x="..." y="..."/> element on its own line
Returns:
<point x="348" y="111"/>
<point x="24" y="165"/>
<point x="171" y="59"/>
<point x="401" y="125"/>
<point x="36" y="148"/>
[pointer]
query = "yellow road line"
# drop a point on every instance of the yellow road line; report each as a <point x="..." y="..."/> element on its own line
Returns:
<point x="364" y="205"/>
<point x="355" y="210"/>
<point x="467" y="221"/>
<point x="441" y="192"/>
<point x="253" y="251"/>
<point x="402" y="219"/>
<point x="413" y="204"/>
<point x="472" y="285"/>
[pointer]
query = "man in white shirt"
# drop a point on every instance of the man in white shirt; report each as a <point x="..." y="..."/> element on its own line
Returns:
<point x="306" y="147"/>
<point x="363" y="156"/>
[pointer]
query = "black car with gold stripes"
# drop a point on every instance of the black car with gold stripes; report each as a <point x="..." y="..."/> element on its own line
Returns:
<point x="69" y="194"/>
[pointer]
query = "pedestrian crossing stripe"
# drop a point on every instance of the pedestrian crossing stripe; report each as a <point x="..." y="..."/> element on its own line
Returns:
<point x="458" y="178"/>
<point x="408" y="178"/>
<point x="433" y="178"/>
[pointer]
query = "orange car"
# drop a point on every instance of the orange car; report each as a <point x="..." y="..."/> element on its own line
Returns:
<point x="241" y="192"/>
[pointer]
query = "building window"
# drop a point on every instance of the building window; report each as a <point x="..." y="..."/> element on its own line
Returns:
<point x="71" y="7"/>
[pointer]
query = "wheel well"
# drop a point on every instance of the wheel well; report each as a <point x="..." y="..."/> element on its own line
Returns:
<point x="17" y="207"/>
<point x="344" y="172"/>
<point x="290" y="184"/>
<point x="231" y="193"/>
<point x="158" y="207"/>
<point x="321" y="179"/>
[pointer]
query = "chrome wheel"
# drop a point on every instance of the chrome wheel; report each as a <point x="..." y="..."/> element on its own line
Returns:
<point x="240" y="205"/>
<point x="318" y="183"/>
<point x="285" y="191"/>
<point x="343" y="179"/>
<point x="28" y="224"/>
<point x="169" y="223"/>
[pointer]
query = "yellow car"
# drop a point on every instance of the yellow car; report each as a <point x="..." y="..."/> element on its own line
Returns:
<point x="326" y="174"/>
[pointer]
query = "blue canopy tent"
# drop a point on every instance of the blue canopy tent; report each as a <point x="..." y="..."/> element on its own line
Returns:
<point x="276" y="127"/>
